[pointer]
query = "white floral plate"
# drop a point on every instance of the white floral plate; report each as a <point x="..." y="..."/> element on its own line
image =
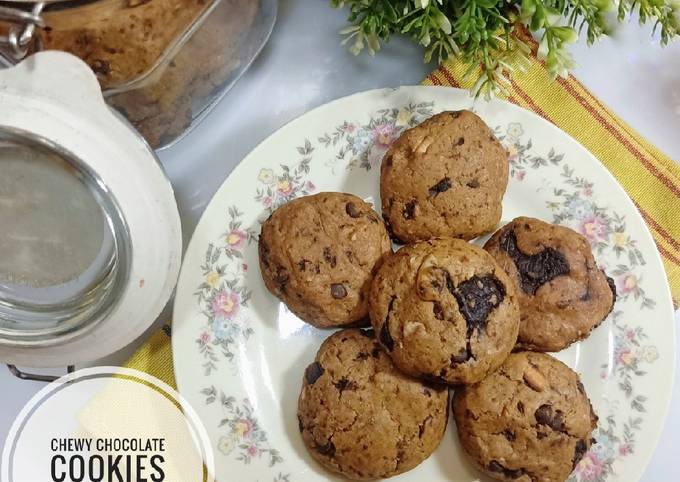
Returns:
<point x="240" y="354"/>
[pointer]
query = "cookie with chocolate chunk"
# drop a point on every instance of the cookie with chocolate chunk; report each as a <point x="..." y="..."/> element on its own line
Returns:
<point x="444" y="177"/>
<point x="359" y="416"/>
<point x="563" y="294"/>
<point x="318" y="254"/>
<point x="530" y="421"/>
<point x="444" y="311"/>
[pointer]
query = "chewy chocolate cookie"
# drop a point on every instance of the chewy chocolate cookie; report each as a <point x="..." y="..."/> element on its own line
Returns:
<point x="445" y="177"/>
<point x="563" y="295"/>
<point x="318" y="254"/>
<point x="530" y="421"/>
<point x="444" y="311"/>
<point x="361" y="417"/>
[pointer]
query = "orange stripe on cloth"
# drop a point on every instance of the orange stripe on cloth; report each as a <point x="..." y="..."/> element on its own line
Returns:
<point x="649" y="177"/>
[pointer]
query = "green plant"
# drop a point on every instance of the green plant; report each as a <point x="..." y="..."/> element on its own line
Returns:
<point x="484" y="33"/>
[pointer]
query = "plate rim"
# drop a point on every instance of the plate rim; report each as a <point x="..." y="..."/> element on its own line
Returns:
<point x="665" y="297"/>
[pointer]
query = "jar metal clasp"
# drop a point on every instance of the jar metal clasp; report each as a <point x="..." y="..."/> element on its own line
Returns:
<point x="15" y="45"/>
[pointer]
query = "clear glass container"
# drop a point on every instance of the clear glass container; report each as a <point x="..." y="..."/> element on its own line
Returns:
<point x="162" y="63"/>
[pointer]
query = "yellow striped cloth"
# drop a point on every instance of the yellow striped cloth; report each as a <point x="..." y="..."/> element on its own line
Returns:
<point x="651" y="179"/>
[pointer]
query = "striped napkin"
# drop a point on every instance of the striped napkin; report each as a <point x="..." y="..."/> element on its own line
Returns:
<point x="651" y="179"/>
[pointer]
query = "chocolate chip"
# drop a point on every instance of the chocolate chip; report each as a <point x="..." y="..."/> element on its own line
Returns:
<point x="460" y="141"/>
<point x="580" y="387"/>
<point x="313" y="372"/>
<point x="545" y="415"/>
<point x="100" y="66"/>
<point x="462" y="356"/>
<point x="368" y="333"/>
<point x="328" y="449"/>
<point x="281" y="278"/>
<point x="388" y="161"/>
<point x="579" y="452"/>
<point x="302" y="264"/>
<point x="409" y="211"/>
<point x="535" y="269"/>
<point x="541" y="435"/>
<point x="338" y="291"/>
<point x="476" y="298"/>
<point x="344" y="384"/>
<point x="421" y="426"/>
<point x="510" y="435"/>
<point x="520" y="407"/>
<point x="612" y="286"/>
<point x="375" y="353"/>
<point x="385" y="336"/>
<point x="300" y="426"/>
<point x="437" y="310"/>
<point x="352" y="210"/>
<point x="495" y="466"/>
<point x="362" y="355"/>
<point x="455" y="113"/>
<point x="328" y="256"/>
<point x="474" y="184"/>
<point x="442" y="186"/>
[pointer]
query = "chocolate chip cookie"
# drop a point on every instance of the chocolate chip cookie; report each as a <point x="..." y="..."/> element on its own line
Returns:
<point x="318" y="254"/>
<point x="361" y="417"/>
<point x="445" y="177"/>
<point x="563" y="295"/>
<point x="444" y="311"/>
<point x="530" y="421"/>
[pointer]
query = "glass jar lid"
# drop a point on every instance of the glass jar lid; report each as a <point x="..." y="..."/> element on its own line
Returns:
<point x="66" y="258"/>
<point x="91" y="240"/>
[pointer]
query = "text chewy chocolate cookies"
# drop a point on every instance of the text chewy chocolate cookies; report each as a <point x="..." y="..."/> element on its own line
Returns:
<point x="530" y="421"/>
<point x="317" y="254"/>
<point x="563" y="295"/>
<point x="444" y="177"/>
<point x="361" y="417"/>
<point x="444" y="311"/>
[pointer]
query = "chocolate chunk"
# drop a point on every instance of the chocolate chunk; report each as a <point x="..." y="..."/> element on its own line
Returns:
<point x="328" y="449"/>
<point x="580" y="387"/>
<point x="460" y="141"/>
<point x="328" y="256"/>
<point x="338" y="291"/>
<point x="375" y="353"/>
<point x="385" y="336"/>
<point x="474" y="184"/>
<point x="362" y="356"/>
<point x="344" y="384"/>
<point x="388" y="161"/>
<point x="520" y="407"/>
<point x="442" y="186"/>
<point x="495" y="466"/>
<point x="313" y="372"/>
<point x="579" y="452"/>
<point x="302" y="264"/>
<point x="476" y="298"/>
<point x="438" y="311"/>
<point x="541" y="435"/>
<point x="510" y="435"/>
<point x="536" y="269"/>
<point x="368" y="333"/>
<point x="612" y="286"/>
<point x="545" y="415"/>
<point x="300" y="426"/>
<point x="409" y="211"/>
<point x="352" y="210"/>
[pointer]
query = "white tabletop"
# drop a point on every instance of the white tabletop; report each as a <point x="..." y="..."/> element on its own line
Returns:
<point x="304" y="66"/>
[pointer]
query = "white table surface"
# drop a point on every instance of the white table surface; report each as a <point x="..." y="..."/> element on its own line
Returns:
<point x="304" y="66"/>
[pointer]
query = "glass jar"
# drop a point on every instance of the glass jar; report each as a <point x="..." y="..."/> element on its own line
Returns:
<point x="91" y="242"/>
<point x="162" y="63"/>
